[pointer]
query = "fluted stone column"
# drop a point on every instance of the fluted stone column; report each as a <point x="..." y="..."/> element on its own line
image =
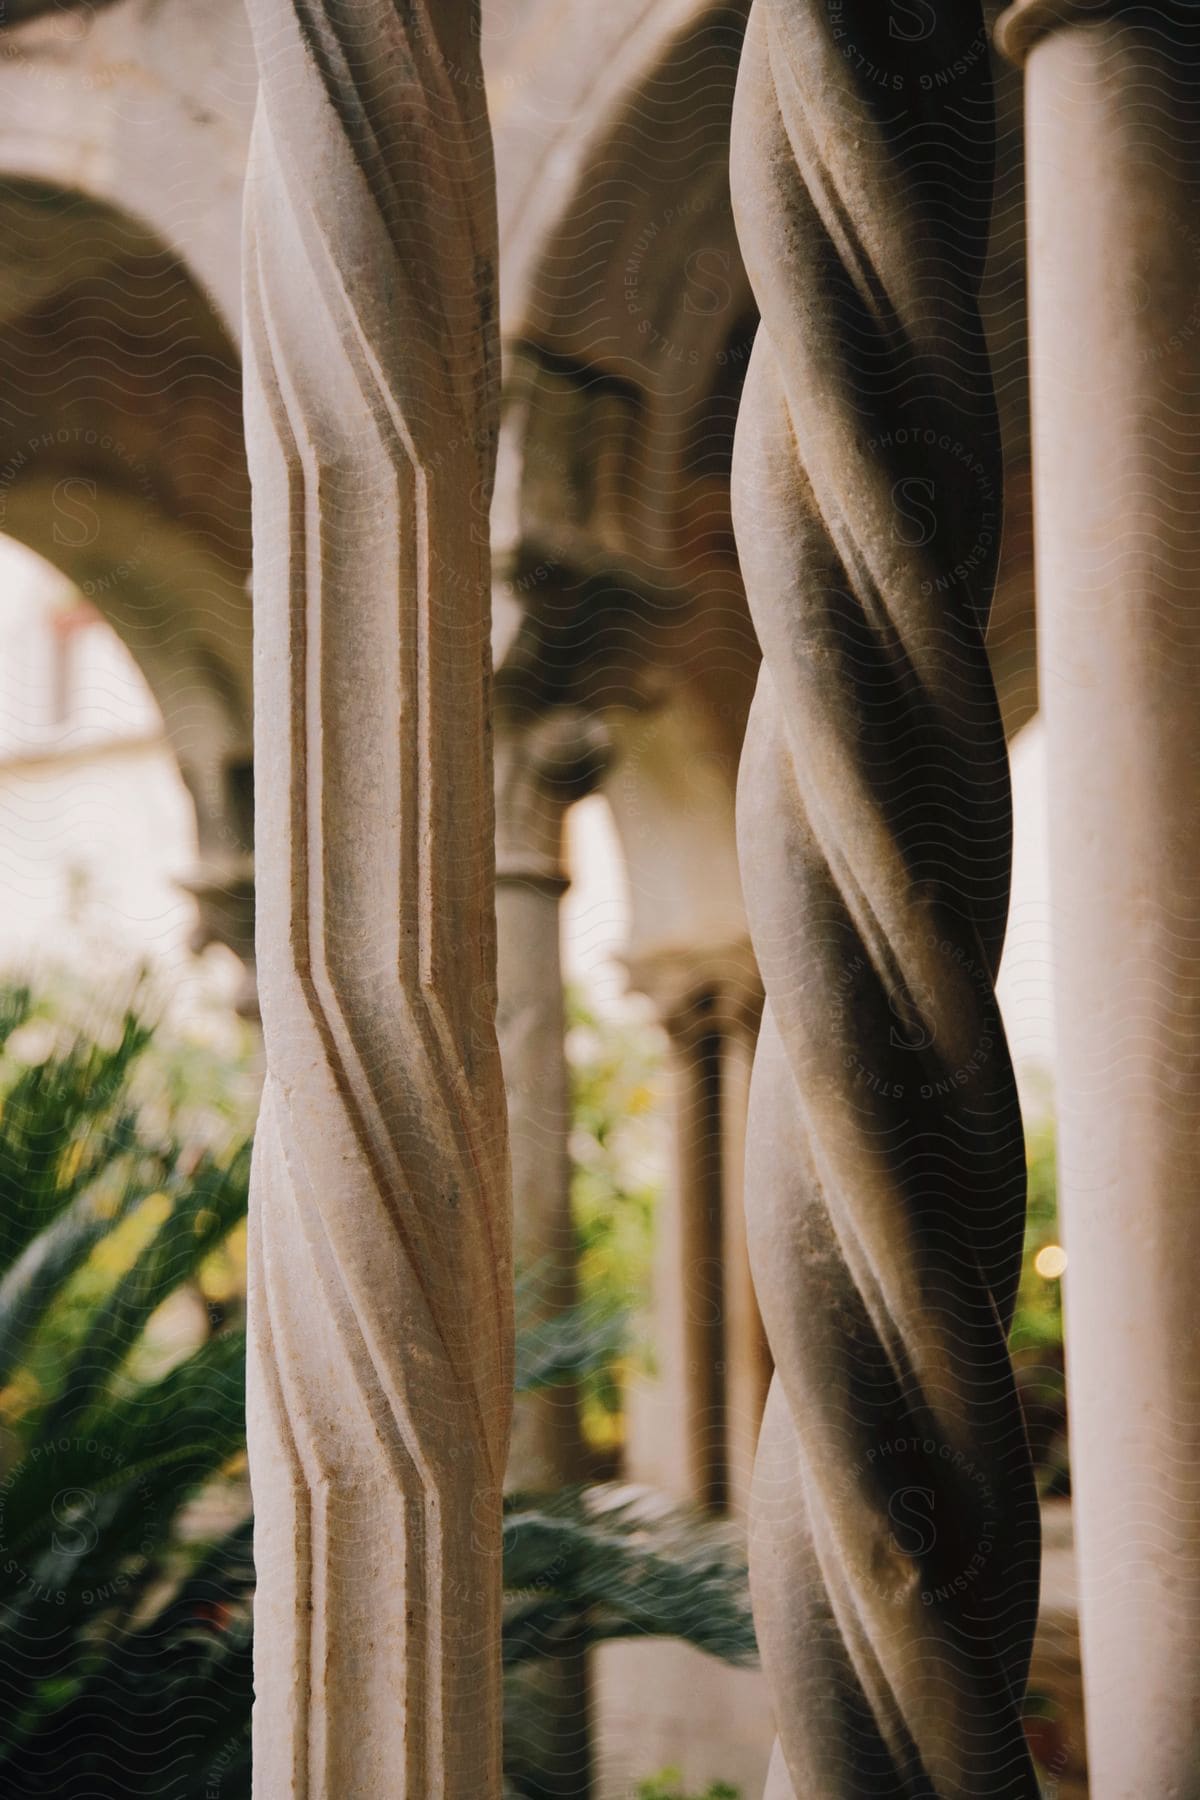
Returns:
<point x="894" y="1531"/>
<point x="380" y="1374"/>
<point x="1113" y="108"/>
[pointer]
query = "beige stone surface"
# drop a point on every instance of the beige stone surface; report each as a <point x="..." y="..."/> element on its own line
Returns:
<point x="381" y="1276"/>
<point x="663" y="1705"/>
<point x="660" y="1705"/>
<point x="894" y="1525"/>
<point x="628" y="317"/>
<point x="1114" y="155"/>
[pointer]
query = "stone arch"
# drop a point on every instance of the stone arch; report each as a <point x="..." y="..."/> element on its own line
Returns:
<point x="145" y="107"/>
<point x="627" y="321"/>
<point x="624" y="309"/>
<point x="122" y="464"/>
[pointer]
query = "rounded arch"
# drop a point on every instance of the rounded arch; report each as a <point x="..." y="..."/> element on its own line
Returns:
<point x="627" y="320"/>
<point x="122" y="463"/>
<point x="144" y="107"/>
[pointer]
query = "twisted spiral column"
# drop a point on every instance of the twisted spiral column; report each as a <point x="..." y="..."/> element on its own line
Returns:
<point x="380" y="1377"/>
<point x="894" y="1519"/>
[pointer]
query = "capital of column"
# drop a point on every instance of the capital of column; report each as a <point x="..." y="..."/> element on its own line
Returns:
<point x="543" y="765"/>
<point x="223" y="889"/>
<point x="1028" y="22"/>
<point x="697" y="993"/>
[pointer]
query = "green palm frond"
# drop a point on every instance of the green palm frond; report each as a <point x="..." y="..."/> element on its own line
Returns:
<point x="125" y="1625"/>
<point x="560" y="1348"/>
<point x="607" y="1562"/>
<point x="124" y="1653"/>
<point x="63" y="1127"/>
<point x="205" y="1209"/>
<point x="35" y="1281"/>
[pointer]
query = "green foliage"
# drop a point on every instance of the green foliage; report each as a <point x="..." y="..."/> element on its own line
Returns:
<point x="669" y="1786"/>
<point x="589" y="1565"/>
<point x="1039" y="1323"/>
<point x="617" y="1157"/>
<point x="124" y="1637"/>
<point x="565" y="1348"/>
<point x="125" y="1542"/>
<point x="1037" y="1336"/>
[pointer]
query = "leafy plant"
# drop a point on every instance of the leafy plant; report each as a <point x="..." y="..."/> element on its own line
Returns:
<point x="669" y="1786"/>
<point x="124" y="1644"/>
<point x="618" y="1157"/>
<point x="1037" y="1338"/>
<point x="1038" y="1323"/>
<point x="125" y="1543"/>
<point x="592" y="1564"/>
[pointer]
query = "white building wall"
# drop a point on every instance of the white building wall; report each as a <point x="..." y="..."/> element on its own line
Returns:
<point x="96" y="827"/>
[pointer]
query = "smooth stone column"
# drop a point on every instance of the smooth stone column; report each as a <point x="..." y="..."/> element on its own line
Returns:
<point x="693" y="1426"/>
<point x="544" y="762"/>
<point x="543" y="765"/>
<point x="1113" y="100"/>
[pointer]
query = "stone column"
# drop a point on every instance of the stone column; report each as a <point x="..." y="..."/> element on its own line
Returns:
<point x="747" y="1355"/>
<point x="380" y="1363"/>
<point x="693" y="1426"/>
<point x="894" y="1525"/>
<point x="726" y="1364"/>
<point x="544" y="763"/>
<point x="1113" y="106"/>
<point x="694" y="1239"/>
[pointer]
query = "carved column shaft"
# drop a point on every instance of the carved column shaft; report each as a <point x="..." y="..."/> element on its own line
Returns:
<point x="1113" y="110"/>
<point x="380" y="1375"/>
<point x="894" y="1534"/>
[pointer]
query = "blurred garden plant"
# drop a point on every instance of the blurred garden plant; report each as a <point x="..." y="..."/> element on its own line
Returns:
<point x="618" y="1168"/>
<point x="669" y="1786"/>
<point x="1037" y="1336"/>
<point x="124" y="1637"/>
<point x="125" y="1540"/>
<point x="126" y="1573"/>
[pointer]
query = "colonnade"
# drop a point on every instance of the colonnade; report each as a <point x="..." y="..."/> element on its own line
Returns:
<point x="894" y="1524"/>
